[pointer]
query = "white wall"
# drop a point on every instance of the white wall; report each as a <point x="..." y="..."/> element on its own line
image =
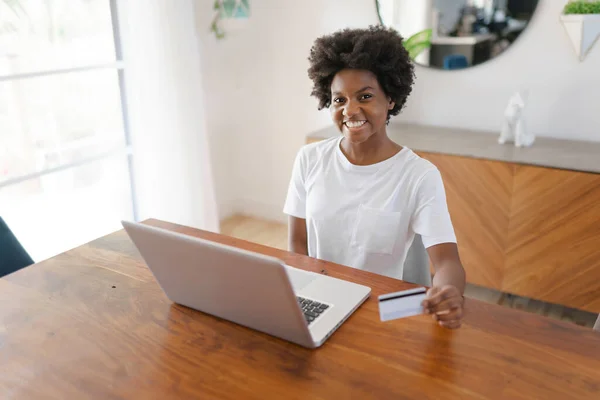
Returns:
<point x="259" y="109"/>
<point x="166" y="112"/>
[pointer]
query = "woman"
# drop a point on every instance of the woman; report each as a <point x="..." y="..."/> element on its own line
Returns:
<point x="359" y="199"/>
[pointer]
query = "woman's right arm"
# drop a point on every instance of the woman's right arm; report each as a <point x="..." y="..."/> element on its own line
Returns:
<point x="297" y="242"/>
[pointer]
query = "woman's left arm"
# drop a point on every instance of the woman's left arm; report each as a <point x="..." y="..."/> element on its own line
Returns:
<point x="445" y="298"/>
<point x="447" y="265"/>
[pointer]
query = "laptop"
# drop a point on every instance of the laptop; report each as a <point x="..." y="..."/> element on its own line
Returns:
<point x="247" y="288"/>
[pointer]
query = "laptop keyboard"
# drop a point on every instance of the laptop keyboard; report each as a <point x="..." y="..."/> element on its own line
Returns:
<point x="311" y="309"/>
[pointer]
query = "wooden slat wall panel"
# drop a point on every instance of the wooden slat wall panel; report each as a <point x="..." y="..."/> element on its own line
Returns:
<point x="478" y="194"/>
<point x="554" y="237"/>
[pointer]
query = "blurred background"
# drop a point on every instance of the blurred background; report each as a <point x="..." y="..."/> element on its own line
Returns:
<point x="193" y="111"/>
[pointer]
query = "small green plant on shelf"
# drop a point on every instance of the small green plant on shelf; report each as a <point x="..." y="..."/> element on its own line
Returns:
<point x="582" y="7"/>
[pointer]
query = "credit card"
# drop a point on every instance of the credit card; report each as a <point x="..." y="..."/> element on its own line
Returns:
<point x="401" y="304"/>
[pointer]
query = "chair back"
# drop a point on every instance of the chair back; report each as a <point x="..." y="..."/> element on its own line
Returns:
<point x="13" y="256"/>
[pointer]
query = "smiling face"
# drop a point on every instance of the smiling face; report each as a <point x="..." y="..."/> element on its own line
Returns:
<point x="359" y="107"/>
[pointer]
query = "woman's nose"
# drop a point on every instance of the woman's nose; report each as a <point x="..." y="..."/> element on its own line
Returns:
<point x="350" y="109"/>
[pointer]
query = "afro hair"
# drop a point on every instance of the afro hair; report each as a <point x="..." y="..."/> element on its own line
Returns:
<point x="377" y="49"/>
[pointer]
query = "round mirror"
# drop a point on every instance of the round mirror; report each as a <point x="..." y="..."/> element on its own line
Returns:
<point x="456" y="34"/>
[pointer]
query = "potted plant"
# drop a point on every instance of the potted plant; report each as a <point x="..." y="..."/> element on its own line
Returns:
<point x="581" y="20"/>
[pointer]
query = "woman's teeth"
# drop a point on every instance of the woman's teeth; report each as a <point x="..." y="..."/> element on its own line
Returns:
<point x="355" y="124"/>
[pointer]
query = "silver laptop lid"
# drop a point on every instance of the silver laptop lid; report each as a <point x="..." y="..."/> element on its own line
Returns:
<point x="247" y="288"/>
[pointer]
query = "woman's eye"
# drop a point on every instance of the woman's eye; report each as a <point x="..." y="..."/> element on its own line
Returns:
<point x="338" y="100"/>
<point x="365" y="96"/>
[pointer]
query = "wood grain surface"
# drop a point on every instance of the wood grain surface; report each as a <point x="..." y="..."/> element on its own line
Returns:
<point x="92" y="323"/>
<point x="553" y="249"/>
<point x="478" y="195"/>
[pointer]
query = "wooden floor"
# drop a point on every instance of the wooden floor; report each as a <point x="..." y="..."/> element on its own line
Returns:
<point x="274" y="234"/>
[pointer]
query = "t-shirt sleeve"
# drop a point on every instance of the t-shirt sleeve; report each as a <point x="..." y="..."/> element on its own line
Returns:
<point x="295" y="202"/>
<point x="431" y="219"/>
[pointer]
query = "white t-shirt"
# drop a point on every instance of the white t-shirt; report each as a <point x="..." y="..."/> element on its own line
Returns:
<point x="366" y="216"/>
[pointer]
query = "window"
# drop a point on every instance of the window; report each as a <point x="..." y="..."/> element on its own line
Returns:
<point x="65" y="156"/>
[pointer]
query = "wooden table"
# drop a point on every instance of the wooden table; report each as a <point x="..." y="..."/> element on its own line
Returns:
<point x="93" y="323"/>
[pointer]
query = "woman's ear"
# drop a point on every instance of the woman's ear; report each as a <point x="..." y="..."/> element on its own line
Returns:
<point x="391" y="104"/>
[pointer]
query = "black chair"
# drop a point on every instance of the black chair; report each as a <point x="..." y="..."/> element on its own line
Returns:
<point x="13" y="256"/>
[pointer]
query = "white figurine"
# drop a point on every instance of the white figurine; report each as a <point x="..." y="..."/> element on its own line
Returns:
<point x="513" y="127"/>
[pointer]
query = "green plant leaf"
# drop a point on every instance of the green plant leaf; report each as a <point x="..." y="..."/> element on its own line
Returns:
<point x="422" y="36"/>
<point x="418" y="42"/>
<point x="415" y="50"/>
<point x="215" y="28"/>
<point x="582" y="7"/>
